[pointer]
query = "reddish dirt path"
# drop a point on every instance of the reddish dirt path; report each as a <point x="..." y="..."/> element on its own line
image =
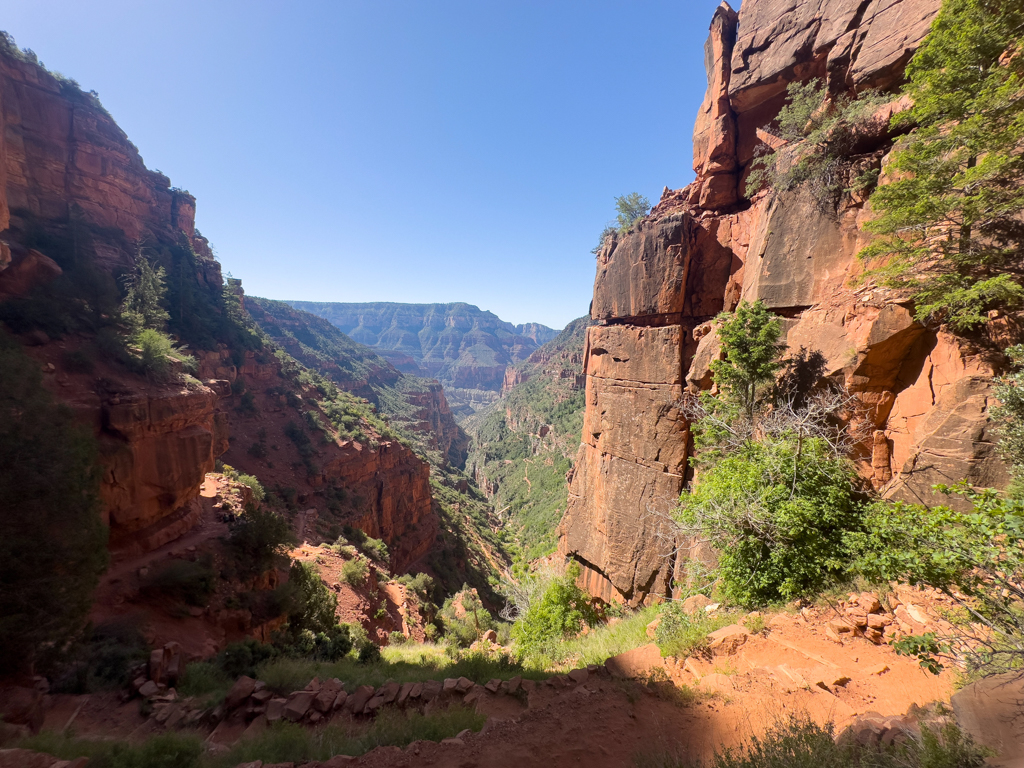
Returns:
<point x="606" y="723"/>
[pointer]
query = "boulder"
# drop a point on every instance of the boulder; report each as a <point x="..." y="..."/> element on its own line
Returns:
<point x="358" y="699"/>
<point x="652" y="628"/>
<point x="240" y="691"/>
<point x="727" y="640"/>
<point x="990" y="711"/>
<point x="275" y="709"/>
<point x="696" y="603"/>
<point x="20" y="705"/>
<point x="298" y="705"/>
<point x="579" y="676"/>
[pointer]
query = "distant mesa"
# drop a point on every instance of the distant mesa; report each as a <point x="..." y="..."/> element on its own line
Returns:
<point x="465" y="348"/>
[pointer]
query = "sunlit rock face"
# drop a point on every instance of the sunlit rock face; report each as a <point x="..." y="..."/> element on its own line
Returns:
<point x="926" y="393"/>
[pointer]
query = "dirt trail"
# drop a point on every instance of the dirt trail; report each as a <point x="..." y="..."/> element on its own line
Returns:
<point x="709" y="703"/>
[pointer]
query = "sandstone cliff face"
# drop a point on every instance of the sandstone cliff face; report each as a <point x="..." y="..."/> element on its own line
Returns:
<point x="925" y="392"/>
<point x="67" y="169"/>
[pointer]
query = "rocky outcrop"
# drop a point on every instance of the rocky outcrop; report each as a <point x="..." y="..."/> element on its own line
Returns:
<point x="751" y="58"/>
<point x="61" y="154"/>
<point x="925" y="393"/>
<point x="395" y="485"/>
<point x="159" y="447"/>
<point x="70" y="178"/>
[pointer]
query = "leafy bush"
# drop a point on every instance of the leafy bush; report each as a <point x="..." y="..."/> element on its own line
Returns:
<point x="631" y="208"/>
<point x="260" y="539"/>
<point x="257" y="451"/>
<point x="751" y="341"/>
<point x="975" y="557"/>
<point x="772" y="490"/>
<point x="52" y="541"/>
<point x="799" y="742"/>
<point x="314" y="605"/>
<point x="376" y="549"/>
<point x="1009" y="418"/>
<point x="354" y="572"/>
<point x="369" y="653"/>
<point x="561" y="612"/>
<point x="103" y="661"/>
<point x="824" y="130"/>
<point x="243" y="657"/>
<point x="464" y="617"/>
<point x="205" y="679"/>
<point x="778" y="513"/>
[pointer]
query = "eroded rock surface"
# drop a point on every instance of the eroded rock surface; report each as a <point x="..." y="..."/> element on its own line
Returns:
<point x="926" y="393"/>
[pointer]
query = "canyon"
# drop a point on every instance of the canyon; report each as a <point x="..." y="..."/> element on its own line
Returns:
<point x="466" y="349"/>
<point x="924" y="392"/>
<point x="76" y="202"/>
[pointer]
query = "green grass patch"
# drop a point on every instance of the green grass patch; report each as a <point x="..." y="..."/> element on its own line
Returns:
<point x="408" y="663"/>
<point x="801" y="743"/>
<point x="599" y="644"/>
<point x="167" y="750"/>
<point x="287" y="742"/>
<point x="205" y="680"/>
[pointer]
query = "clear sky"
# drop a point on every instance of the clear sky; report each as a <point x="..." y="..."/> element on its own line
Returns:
<point x="396" y="150"/>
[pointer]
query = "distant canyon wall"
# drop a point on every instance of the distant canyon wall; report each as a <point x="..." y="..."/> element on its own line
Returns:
<point x="705" y="248"/>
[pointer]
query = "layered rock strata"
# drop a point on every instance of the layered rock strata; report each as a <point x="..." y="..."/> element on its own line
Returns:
<point x="925" y="393"/>
<point x="70" y="176"/>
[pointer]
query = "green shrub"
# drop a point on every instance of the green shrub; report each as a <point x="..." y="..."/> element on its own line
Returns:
<point x="260" y="539"/>
<point x="345" y="550"/>
<point x="52" y="540"/>
<point x="78" y="361"/>
<point x="799" y="742"/>
<point x="369" y="654"/>
<point x="103" y="661"/>
<point x="974" y="556"/>
<point x="561" y="612"/>
<point x="243" y="658"/>
<point x="823" y="131"/>
<point x="958" y="171"/>
<point x="258" y="451"/>
<point x="154" y="352"/>
<point x="290" y="742"/>
<point x="314" y="605"/>
<point x="205" y="679"/>
<point x="165" y="750"/>
<point x="354" y="572"/>
<point x="778" y="513"/>
<point x="375" y="548"/>
<point x="1009" y="418"/>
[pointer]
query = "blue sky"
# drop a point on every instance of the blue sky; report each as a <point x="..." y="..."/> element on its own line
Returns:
<point x="396" y="150"/>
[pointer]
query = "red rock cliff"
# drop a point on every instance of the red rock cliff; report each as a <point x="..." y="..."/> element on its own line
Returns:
<point x="65" y="162"/>
<point x="704" y="248"/>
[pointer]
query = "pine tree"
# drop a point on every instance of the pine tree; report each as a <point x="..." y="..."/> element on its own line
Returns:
<point x="751" y="342"/>
<point x="950" y="224"/>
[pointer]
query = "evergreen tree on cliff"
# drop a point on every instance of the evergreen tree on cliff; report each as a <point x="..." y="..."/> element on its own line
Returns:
<point x="52" y="542"/>
<point x="950" y="223"/>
